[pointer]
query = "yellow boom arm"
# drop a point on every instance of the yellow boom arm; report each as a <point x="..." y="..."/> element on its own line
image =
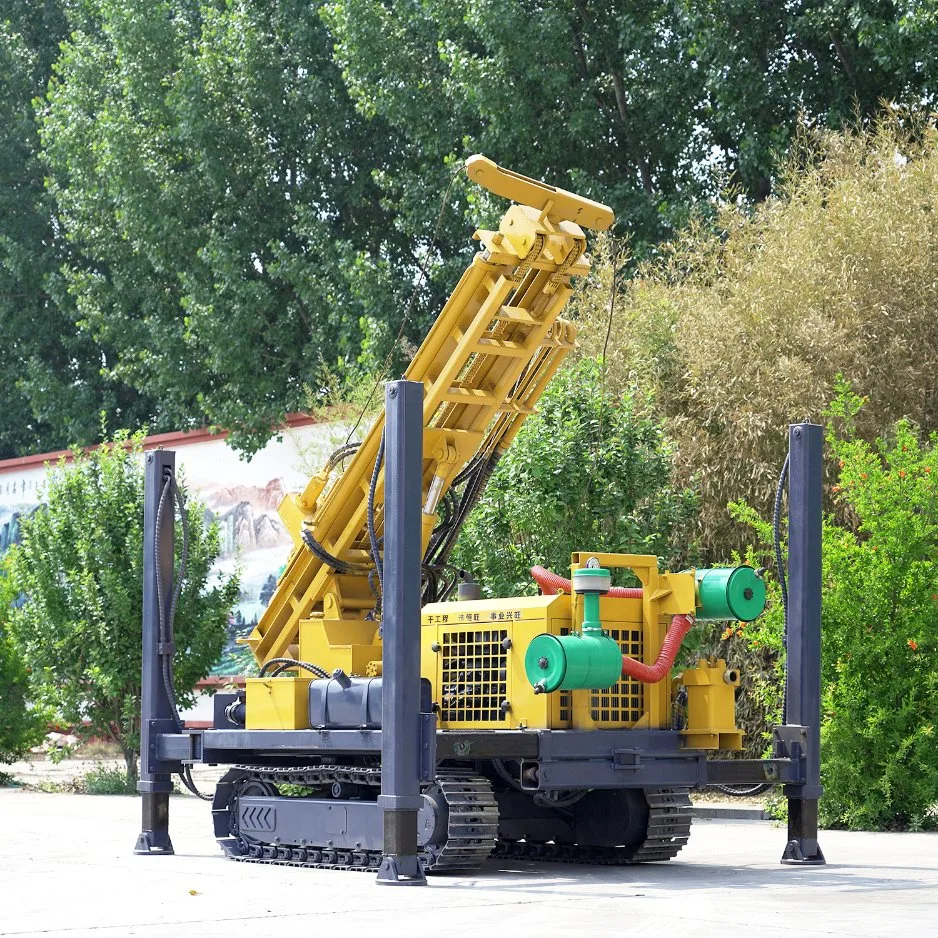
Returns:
<point x="485" y="362"/>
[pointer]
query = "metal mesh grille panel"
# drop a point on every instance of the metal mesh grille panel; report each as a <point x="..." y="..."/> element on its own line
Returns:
<point x="621" y="703"/>
<point x="474" y="677"/>
<point x="566" y="697"/>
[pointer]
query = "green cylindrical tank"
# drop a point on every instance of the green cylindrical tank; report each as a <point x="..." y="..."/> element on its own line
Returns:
<point x="591" y="661"/>
<point x="587" y="661"/>
<point x="730" y="593"/>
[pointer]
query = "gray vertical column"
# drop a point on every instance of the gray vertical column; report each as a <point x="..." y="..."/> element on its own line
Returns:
<point x="400" y="797"/>
<point x="156" y="714"/>
<point x="803" y="682"/>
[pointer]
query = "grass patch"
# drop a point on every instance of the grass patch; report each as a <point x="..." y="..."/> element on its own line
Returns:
<point x="289" y="790"/>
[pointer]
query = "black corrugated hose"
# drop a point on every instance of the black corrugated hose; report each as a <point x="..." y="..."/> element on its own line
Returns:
<point x="286" y="664"/>
<point x="782" y="580"/>
<point x="166" y="619"/>
<point x="372" y="533"/>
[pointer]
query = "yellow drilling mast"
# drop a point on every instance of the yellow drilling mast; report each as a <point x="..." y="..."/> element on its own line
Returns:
<point x="484" y="364"/>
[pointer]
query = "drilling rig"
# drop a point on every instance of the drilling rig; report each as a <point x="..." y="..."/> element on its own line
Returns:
<point x="402" y="724"/>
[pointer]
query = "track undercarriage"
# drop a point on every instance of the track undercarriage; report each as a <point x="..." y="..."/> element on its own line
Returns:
<point x="326" y="816"/>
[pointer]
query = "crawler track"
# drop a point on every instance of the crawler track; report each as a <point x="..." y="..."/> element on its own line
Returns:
<point x="471" y="810"/>
<point x="471" y="826"/>
<point x="669" y="819"/>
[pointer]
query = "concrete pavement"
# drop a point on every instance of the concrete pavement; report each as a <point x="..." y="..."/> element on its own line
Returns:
<point x="66" y="868"/>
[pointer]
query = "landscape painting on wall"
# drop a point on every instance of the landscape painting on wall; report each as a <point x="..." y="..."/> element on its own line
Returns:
<point x="242" y="497"/>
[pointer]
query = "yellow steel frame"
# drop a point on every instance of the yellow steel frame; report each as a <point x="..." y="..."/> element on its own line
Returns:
<point x="711" y="705"/>
<point x="485" y="362"/>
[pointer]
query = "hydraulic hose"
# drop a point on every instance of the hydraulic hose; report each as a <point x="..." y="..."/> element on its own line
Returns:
<point x="330" y="560"/>
<point x="170" y="497"/>
<point x="743" y="791"/>
<point x="552" y="583"/>
<point x="285" y="664"/>
<point x="780" y="566"/>
<point x="372" y="533"/>
<point x="172" y="493"/>
<point x="652" y="673"/>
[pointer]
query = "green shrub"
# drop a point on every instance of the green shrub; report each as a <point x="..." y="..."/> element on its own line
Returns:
<point x="589" y="472"/>
<point x="879" y="745"/>
<point x="740" y="327"/>
<point x="107" y="780"/>
<point x="21" y="726"/>
<point x="80" y="566"/>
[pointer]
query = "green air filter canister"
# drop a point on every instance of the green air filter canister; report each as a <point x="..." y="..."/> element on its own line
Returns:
<point x="730" y="593"/>
<point x="591" y="661"/>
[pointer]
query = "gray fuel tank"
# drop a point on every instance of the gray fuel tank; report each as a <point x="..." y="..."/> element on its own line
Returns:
<point x="353" y="707"/>
<point x="338" y="707"/>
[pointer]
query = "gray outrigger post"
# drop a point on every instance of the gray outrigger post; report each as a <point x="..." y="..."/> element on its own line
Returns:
<point x="400" y="797"/>
<point x="803" y="681"/>
<point x="155" y="784"/>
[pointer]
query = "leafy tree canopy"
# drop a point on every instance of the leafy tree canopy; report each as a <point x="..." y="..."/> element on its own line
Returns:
<point x="216" y="186"/>
<point x="54" y="384"/>
<point x="240" y="195"/>
<point x="648" y="106"/>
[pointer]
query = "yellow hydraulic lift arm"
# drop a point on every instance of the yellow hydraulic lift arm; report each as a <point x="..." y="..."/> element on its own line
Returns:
<point x="488" y="357"/>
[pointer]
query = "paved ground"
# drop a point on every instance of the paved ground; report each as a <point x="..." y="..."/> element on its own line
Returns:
<point x="36" y="772"/>
<point x="66" y="868"/>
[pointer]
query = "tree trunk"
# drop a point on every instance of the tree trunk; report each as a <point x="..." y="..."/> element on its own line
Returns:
<point x="130" y="763"/>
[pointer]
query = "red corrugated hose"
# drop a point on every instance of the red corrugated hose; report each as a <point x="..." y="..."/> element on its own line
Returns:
<point x="552" y="583"/>
<point x="652" y="673"/>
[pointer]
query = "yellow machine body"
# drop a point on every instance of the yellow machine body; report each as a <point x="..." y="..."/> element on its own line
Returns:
<point x="472" y="653"/>
<point x="467" y="655"/>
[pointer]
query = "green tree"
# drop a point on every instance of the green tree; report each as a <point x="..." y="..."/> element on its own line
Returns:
<point x="648" y="106"/>
<point x="588" y="472"/>
<point x="53" y="385"/>
<point x="21" y="726"/>
<point x="879" y="761"/>
<point x="241" y="194"/>
<point x="80" y="566"/>
<point x="767" y="67"/>
<point x="216" y="186"/>
<point x="600" y="98"/>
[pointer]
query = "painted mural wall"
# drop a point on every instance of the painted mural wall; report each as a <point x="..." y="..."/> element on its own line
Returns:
<point x="241" y="496"/>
